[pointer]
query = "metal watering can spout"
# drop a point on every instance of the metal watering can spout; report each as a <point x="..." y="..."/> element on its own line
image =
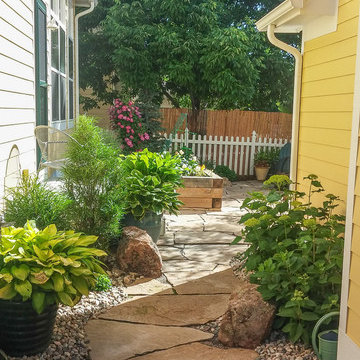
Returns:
<point x="328" y="339"/>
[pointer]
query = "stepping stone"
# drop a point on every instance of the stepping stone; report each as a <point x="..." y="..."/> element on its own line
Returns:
<point x="167" y="239"/>
<point x="185" y="226"/>
<point x="198" y="351"/>
<point x="112" y="340"/>
<point x="203" y="238"/>
<point x="216" y="254"/>
<point x="147" y="288"/>
<point x="224" y="223"/>
<point x="170" y="253"/>
<point x="176" y="310"/>
<point x="187" y="266"/>
<point x="223" y="282"/>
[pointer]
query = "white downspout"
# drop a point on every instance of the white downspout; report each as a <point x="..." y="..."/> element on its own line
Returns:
<point x="77" y="83"/>
<point x="296" y="102"/>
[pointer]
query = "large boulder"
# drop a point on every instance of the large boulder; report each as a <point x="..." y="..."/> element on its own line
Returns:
<point x="248" y="320"/>
<point x="138" y="253"/>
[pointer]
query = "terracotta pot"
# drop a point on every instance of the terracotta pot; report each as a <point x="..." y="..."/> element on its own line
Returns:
<point x="261" y="172"/>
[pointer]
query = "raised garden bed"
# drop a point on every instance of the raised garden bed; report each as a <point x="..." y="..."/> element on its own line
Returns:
<point x="202" y="192"/>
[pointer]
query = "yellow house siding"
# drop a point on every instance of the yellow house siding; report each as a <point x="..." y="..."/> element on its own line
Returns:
<point x="327" y="103"/>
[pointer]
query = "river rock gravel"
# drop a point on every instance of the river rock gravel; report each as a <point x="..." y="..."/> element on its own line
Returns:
<point x="69" y="339"/>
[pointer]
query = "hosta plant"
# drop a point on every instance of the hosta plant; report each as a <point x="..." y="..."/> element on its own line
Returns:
<point x="47" y="266"/>
<point x="151" y="180"/>
<point x="295" y="252"/>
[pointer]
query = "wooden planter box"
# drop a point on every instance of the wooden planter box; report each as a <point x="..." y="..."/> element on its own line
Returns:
<point x="202" y="192"/>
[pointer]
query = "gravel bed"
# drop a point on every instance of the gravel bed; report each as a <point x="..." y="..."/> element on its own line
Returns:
<point x="69" y="339"/>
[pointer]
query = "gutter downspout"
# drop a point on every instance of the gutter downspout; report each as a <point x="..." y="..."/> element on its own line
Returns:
<point x="77" y="86"/>
<point x="296" y="102"/>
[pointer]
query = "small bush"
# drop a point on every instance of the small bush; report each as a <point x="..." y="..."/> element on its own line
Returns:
<point x="225" y="171"/>
<point x="33" y="200"/>
<point x="93" y="181"/>
<point x="295" y="253"/>
<point x="103" y="283"/>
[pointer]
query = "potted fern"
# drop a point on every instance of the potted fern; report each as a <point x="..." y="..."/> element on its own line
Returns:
<point x="151" y="180"/>
<point x="38" y="271"/>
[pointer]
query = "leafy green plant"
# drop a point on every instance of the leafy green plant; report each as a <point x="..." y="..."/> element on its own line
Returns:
<point x="295" y="252"/>
<point x="225" y="171"/>
<point x="32" y="199"/>
<point x="151" y="180"/>
<point x="103" y="283"/>
<point x="93" y="180"/>
<point x="47" y="266"/>
<point x="267" y="157"/>
<point x="190" y="165"/>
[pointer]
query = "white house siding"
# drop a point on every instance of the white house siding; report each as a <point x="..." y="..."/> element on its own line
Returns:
<point x="17" y="84"/>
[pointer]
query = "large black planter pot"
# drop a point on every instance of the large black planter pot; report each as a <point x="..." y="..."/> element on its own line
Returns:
<point x="22" y="330"/>
<point x="151" y="223"/>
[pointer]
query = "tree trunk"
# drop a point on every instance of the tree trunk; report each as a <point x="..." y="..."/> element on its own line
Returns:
<point x="197" y="119"/>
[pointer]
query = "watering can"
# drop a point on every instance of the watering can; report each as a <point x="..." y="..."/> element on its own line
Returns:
<point x="328" y="339"/>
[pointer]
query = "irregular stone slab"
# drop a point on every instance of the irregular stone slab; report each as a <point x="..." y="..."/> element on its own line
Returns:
<point x="186" y="226"/>
<point x="147" y="288"/>
<point x="167" y="239"/>
<point x="224" y="223"/>
<point x="186" y="265"/>
<point x="176" y="310"/>
<point x="170" y="253"/>
<point x="183" y="218"/>
<point x="203" y="238"/>
<point x="216" y="254"/>
<point x="198" y="351"/>
<point x="223" y="282"/>
<point x="112" y="340"/>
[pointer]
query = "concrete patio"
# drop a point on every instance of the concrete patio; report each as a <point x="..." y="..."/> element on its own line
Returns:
<point x="159" y="319"/>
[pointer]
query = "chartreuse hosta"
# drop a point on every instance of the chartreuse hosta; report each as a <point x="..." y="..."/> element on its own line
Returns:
<point x="47" y="266"/>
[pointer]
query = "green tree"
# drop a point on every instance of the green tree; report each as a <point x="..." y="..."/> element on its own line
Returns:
<point x="200" y="53"/>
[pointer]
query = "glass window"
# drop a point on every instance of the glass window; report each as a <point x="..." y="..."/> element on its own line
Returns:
<point x="71" y="59"/>
<point x="62" y="50"/>
<point x="55" y="49"/>
<point x="55" y="95"/>
<point x="62" y="98"/>
<point x="71" y="101"/>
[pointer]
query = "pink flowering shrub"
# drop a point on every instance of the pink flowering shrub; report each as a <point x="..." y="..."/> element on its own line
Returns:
<point x="126" y="122"/>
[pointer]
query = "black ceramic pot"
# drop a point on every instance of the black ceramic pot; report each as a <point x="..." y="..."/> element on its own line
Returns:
<point x="22" y="330"/>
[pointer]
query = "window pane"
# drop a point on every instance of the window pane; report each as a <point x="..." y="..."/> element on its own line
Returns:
<point x="71" y="60"/>
<point x="62" y="11"/>
<point x="55" y="6"/>
<point x="55" y="95"/>
<point x="62" y="98"/>
<point x="62" y="50"/>
<point x="55" y="49"/>
<point x="71" y="100"/>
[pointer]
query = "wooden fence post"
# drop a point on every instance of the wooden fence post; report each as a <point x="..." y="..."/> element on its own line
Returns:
<point x="252" y="152"/>
<point x="187" y="137"/>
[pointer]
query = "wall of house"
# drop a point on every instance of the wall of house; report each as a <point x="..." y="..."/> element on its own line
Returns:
<point x="17" y="88"/>
<point x="327" y="103"/>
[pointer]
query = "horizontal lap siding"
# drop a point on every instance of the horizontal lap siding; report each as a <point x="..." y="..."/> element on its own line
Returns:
<point x="327" y="103"/>
<point x="17" y="87"/>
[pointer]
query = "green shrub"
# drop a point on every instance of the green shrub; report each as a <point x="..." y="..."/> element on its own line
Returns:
<point x="151" y="180"/>
<point x="93" y="181"/>
<point x="47" y="266"/>
<point x="266" y="157"/>
<point x="33" y="200"/>
<point x="295" y="253"/>
<point x="103" y="283"/>
<point x="225" y="171"/>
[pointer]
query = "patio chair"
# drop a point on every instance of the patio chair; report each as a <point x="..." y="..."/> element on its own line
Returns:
<point x="53" y="145"/>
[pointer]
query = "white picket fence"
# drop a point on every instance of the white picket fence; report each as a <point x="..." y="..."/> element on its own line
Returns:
<point x="238" y="154"/>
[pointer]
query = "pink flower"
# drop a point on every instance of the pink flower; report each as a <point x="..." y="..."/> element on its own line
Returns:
<point x="132" y="131"/>
<point x="127" y="130"/>
<point x="142" y="138"/>
<point x="146" y="136"/>
<point x="130" y="103"/>
<point x="124" y="108"/>
<point x="119" y="123"/>
<point x="122" y="126"/>
<point x="131" y="120"/>
<point x="131" y="137"/>
<point x="139" y="124"/>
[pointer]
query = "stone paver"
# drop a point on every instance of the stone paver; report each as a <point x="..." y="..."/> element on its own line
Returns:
<point x="152" y="324"/>
<point x="203" y="238"/>
<point x="169" y="310"/>
<point x="198" y="351"/>
<point x="215" y="254"/>
<point x="112" y="340"/>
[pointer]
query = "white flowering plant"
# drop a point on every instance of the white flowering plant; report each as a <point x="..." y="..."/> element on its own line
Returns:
<point x="190" y="165"/>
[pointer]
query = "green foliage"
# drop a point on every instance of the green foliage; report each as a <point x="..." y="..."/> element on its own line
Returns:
<point x="93" y="180"/>
<point x="47" y="266"/>
<point x="266" y="157"/>
<point x="295" y="253"/>
<point x="190" y="165"/>
<point x="151" y="180"/>
<point x="225" y="171"/>
<point x="103" y="283"/>
<point x="204" y="54"/>
<point x="32" y="199"/>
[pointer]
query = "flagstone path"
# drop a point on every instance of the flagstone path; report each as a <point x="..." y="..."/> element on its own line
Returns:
<point x="157" y="321"/>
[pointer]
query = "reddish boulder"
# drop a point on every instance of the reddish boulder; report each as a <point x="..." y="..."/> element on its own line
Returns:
<point x="138" y="253"/>
<point x="248" y="320"/>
